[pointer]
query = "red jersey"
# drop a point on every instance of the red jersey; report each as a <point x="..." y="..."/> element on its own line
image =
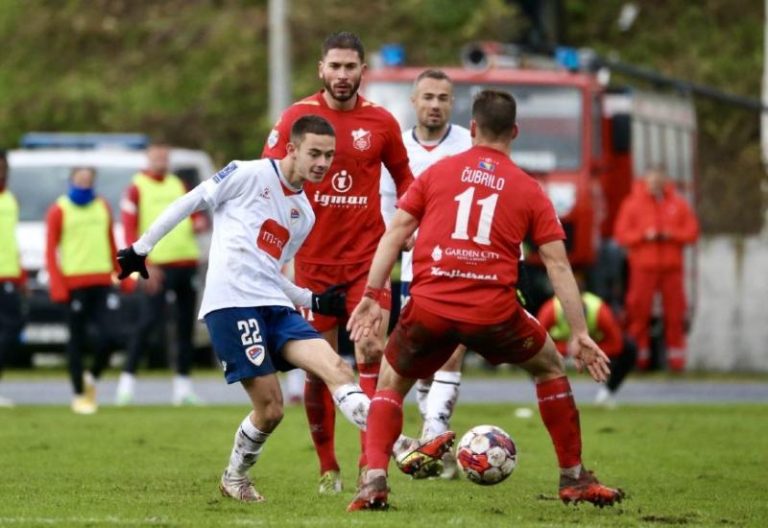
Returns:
<point x="474" y="210"/>
<point x="348" y="222"/>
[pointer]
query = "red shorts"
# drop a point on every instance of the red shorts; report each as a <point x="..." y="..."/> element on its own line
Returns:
<point x="318" y="277"/>
<point x="422" y="342"/>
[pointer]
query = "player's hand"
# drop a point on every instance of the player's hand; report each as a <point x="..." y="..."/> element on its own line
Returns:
<point x="586" y="353"/>
<point x="333" y="301"/>
<point x="365" y="318"/>
<point x="130" y="262"/>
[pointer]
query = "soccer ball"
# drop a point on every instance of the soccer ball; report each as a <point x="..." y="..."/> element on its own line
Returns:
<point x="487" y="455"/>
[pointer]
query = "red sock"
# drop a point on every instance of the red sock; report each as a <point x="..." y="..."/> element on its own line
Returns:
<point x="321" y="414"/>
<point x="369" y="377"/>
<point x="385" y="423"/>
<point x="560" y="416"/>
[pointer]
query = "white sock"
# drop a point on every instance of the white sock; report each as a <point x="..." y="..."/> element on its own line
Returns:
<point x="440" y="403"/>
<point x="422" y="391"/>
<point x="572" y="472"/>
<point x="353" y="404"/>
<point x="126" y="383"/>
<point x="248" y="444"/>
<point x="294" y="383"/>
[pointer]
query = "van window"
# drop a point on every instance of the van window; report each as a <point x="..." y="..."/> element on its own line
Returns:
<point x="36" y="188"/>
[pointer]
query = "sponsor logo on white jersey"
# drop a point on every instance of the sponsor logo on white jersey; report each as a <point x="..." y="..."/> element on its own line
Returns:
<point x="361" y="139"/>
<point x="265" y="193"/>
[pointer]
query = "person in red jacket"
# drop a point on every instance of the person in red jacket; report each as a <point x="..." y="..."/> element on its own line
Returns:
<point x="654" y="224"/>
<point x="81" y="258"/>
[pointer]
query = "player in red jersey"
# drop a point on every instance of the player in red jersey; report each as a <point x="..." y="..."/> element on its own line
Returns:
<point x="349" y="225"/>
<point x="473" y="210"/>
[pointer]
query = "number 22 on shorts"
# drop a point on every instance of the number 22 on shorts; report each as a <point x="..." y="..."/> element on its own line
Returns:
<point x="250" y="336"/>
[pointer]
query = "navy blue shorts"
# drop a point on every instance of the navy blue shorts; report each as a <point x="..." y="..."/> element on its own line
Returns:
<point x="249" y="341"/>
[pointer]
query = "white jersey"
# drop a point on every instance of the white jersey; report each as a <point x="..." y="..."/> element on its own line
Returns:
<point x="457" y="139"/>
<point x="259" y="223"/>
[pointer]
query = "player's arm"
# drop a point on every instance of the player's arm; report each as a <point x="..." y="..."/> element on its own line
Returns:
<point x="367" y="315"/>
<point x="132" y="258"/>
<point x="332" y="301"/>
<point x="395" y="158"/>
<point x="585" y="351"/>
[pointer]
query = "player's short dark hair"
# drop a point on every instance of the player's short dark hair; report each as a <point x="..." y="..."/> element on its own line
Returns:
<point x="432" y="73"/>
<point x="3" y="155"/>
<point x="495" y="112"/>
<point x="310" y="124"/>
<point x="343" y="40"/>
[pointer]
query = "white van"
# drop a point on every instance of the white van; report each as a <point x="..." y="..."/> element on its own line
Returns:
<point x="39" y="174"/>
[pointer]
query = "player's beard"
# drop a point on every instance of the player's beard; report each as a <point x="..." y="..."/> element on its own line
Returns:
<point x="344" y="98"/>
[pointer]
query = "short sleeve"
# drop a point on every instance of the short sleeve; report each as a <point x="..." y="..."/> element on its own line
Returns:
<point x="226" y="184"/>
<point x="546" y="225"/>
<point x="414" y="200"/>
<point x="275" y="146"/>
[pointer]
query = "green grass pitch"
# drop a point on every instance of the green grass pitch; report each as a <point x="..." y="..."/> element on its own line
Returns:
<point x="158" y="466"/>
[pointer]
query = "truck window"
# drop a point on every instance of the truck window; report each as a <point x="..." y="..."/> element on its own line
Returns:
<point x="550" y="119"/>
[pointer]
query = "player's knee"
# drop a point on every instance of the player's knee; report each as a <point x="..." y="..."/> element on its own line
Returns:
<point x="272" y="415"/>
<point x="546" y="364"/>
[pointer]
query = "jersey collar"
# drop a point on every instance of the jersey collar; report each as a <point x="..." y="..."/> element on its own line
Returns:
<point x="287" y="189"/>
<point x="431" y="147"/>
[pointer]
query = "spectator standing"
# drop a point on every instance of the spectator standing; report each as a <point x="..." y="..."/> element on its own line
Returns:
<point x="80" y="256"/>
<point x="654" y="224"/>
<point x="12" y="277"/>
<point x="173" y="268"/>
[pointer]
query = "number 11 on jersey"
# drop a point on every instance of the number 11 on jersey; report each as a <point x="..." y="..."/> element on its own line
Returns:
<point x="487" y="208"/>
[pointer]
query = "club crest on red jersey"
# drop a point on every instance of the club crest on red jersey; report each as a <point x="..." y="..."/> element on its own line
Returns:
<point x="361" y="139"/>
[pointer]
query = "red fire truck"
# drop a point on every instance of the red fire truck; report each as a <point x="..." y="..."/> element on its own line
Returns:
<point x="584" y="140"/>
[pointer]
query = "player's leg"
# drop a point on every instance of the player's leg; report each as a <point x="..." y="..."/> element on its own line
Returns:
<point x="640" y="292"/>
<point x="443" y="395"/>
<point x="318" y="402"/>
<point x="240" y="339"/>
<point x="181" y="280"/>
<point x="321" y="416"/>
<point x="441" y="400"/>
<point x="673" y="301"/>
<point x="267" y="401"/>
<point x="419" y="344"/>
<point x="524" y="342"/>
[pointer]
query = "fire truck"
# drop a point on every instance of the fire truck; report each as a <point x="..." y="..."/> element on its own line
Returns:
<point x="583" y="139"/>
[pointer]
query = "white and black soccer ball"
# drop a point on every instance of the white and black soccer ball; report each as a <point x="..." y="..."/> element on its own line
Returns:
<point x="487" y="455"/>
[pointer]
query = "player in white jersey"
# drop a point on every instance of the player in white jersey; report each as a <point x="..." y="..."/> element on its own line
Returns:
<point x="260" y="218"/>
<point x="432" y="139"/>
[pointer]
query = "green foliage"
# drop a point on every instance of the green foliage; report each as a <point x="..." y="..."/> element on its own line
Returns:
<point x="194" y="72"/>
<point x="159" y="466"/>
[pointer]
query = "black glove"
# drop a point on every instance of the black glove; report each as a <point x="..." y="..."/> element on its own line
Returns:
<point x="131" y="261"/>
<point x="332" y="301"/>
